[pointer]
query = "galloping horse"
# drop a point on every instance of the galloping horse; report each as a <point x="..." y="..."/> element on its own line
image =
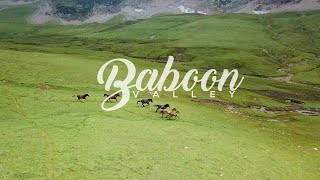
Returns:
<point x="80" y="96"/>
<point x="145" y="101"/>
<point x="174" y="114"/>
<point x="113" y="97"/>
<point x="162" y="107"/>
<point x="171" y="112"/>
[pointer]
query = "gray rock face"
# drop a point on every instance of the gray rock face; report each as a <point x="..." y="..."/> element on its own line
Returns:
<point x="84" y="10"/>
<point x="277" y="1"/>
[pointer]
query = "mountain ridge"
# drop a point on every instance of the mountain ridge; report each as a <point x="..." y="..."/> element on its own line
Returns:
<point x="82" y="11"/>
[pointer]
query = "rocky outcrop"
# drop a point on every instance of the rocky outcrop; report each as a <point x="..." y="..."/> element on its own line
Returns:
<point x="82" y="11"/>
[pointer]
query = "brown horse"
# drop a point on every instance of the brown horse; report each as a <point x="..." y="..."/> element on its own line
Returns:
<point x="170" y="112"/>
<point x="173" y="114"/>
<point x="145" y="101"/>
<point x="113" y="97"/>
<point x="80" y="96"/>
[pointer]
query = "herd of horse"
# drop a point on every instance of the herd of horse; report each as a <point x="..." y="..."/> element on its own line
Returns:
<point x="165" y="109"/>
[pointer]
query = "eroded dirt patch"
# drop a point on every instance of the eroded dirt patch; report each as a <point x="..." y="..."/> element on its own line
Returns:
<point x="5" y="81"/>
<point x="284" y="96"/>
<point x="234" y="108"/>
<point x="43" y="86"/>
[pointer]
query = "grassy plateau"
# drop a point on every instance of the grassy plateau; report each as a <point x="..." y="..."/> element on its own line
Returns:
<point x="269" y="130"/>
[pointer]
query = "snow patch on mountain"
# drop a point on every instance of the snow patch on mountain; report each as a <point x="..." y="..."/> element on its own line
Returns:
<point x="261" y="12"/>
<point x="186" y="10"/>
<point x="139" y="10"/>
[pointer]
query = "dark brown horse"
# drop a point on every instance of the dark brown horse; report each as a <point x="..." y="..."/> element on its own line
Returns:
<point x="145" y="102"/>
<point x="162" y="107"/>
<point x="80" y="96"/>
<point x="113" y="97"/>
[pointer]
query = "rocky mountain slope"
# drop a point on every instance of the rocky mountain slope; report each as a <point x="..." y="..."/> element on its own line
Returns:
<point x="279" y="6"/>
<point x="83" y="11"/>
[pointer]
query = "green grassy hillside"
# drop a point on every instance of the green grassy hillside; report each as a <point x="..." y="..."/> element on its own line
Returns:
<point x="261" y="133"/>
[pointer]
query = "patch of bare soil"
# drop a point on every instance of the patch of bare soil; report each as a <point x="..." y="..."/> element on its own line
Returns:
<point x="43" y="86"/>
<point x="309" y="112"/>
<point x="277" y="57"/>
<point x="283" y="59"/>
<point x="268" y="110"/>
<point x="233" y="108"/>
<point x="273" y="120"/>
<point x="285" y="96"/>
<point x="286" y="78"/>
<point x="294" y="101"/>
<point x="5" y="81"/>
<point x="304" y="112"/>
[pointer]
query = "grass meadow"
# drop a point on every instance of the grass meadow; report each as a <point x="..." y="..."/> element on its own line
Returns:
<point x="259" y="134"/>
